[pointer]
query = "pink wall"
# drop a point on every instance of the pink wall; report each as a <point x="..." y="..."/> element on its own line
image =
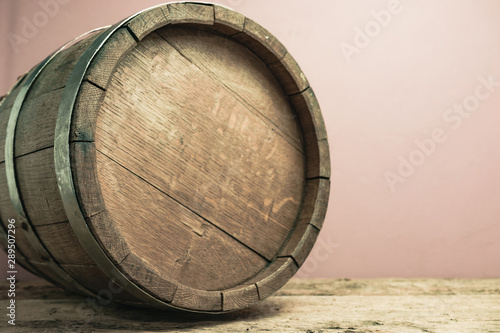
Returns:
<point x="416" y="77"/>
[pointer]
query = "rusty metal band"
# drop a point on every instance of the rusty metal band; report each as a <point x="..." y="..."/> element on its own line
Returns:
<point x="3" y="231"/>
<point x="11" y="172"/>
<point x="62" y="157"/>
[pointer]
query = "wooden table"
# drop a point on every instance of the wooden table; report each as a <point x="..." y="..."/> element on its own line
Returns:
<point x="322" y="305"/>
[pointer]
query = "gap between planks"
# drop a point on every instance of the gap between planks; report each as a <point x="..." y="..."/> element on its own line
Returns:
<point x="247" y="105"/>
<point x="179" y="203"/>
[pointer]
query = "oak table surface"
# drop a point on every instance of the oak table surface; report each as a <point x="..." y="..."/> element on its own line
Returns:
<point x="303" y="305"/>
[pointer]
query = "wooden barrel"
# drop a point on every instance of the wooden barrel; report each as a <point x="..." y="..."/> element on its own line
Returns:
<point x="176" y="160"/>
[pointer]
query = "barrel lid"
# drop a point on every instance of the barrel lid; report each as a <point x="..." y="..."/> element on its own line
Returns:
<point x="197" y="170"/>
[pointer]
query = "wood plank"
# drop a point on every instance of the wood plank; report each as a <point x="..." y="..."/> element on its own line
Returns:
<point x="170" y="239"/>
<point x="108" y="236"/>
<point x="192" y="13"/>
<point x="40" y="289"/>
<point x="261" y="42"/>
<point x="228" y="22"/>
<point x="36" y="123"/>
<point x="461" y="306"/>
<point x="61" y="242"/>
<point x="390" y="287"/>
<point x="242" y="73"/>
<point x="315" y="136"/>
<point x="240" y="298"/>
<point x="85" y="178"/>
<point x="326" y="314"/>
<point x="290" y="75"/>
<point x="87" y="105"/>
<point x="200" y="300"/>
<point x="42" y="204"/>
<point x="37" y="184"/>
<point x="315" y="206"/>
<point x="7" y="212"/>
<point x="104" y="63"/>
<point x="145" y="23"/>
<point x="141" y="273"/>
<point x="310" y="221"/>
<point x="301" y="243"/>
<point x="57" y="72"/>
<point x="206" y="150"/>
<point x="274" y="277"/>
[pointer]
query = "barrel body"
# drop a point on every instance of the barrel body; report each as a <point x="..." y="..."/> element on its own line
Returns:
<point x="176" y="160"/>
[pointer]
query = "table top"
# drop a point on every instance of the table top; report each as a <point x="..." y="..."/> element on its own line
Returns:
<point x="303" y="305"/>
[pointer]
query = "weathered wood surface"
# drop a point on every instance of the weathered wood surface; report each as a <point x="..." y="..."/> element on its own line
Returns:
<point x="199" y="161"/>
<point x="347" y="306"/>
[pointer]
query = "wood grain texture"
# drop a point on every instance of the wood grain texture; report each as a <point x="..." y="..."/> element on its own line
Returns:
<point x="52" y="276"/>
<point x="34" y="133"/>
<point x="57" y="71"/>
<point x="38" y="187"/>
<point x="200" y="300"/>
<point x="170" y="239"/>
<point x="227" y="22"/>
<point x="311" y="219"/>
<point x="198" y="150"/>
<point x="326" y="305"/>
<point x="42" y="204"/>
<point x="144" y="24"/>
<point x="191" y="13"/>
<point x="391" y="287"/>
<point x="229" y="175"/>
<point x="261" y="42"/>
<point x="274" y="277"/>
<point x="84" y="169"/>
<point x="255" y="86"/>
<point x="61" y="242"/>
<point x="141" y="273"/>
<point x="27" y="254"/>
<point x="87" y="105"/>
<point x="6" y="213"/>
<point x="108" y="236"/>
<point x="240" y="298"/>
<point x="36" y="123"/>
<point x="99" y="72"/>
<point x="290" y="75"/>
<point x="314" y="131"/>
<point x="315" y="202"/>
<point x="301" y="243"/>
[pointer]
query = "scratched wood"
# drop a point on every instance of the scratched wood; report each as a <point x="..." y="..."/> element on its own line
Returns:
<point x="173" y="239"/>
<point x="208" y="155"/>
<point x="221" y="58"/>
<point x="199" y="160"/>
<point x="302" y="305"/>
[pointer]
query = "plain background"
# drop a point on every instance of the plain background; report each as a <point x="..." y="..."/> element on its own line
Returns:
<point x="442" y="216"/>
